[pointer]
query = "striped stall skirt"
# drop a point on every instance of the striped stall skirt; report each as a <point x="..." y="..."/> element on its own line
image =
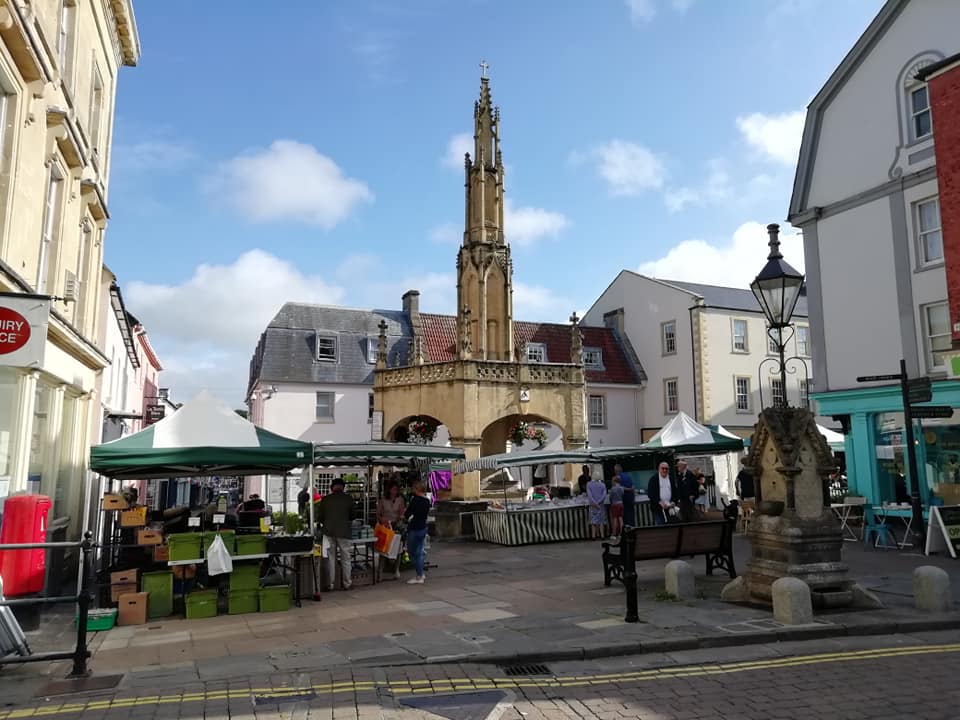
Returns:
<point x="528" y="527"/>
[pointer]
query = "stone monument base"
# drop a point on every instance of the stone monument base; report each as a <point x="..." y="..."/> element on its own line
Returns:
<point x="454" y="518"/>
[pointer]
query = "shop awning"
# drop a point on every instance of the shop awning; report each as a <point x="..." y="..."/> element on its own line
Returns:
<point x="203" y="437"/>
<point x="381" y="453"/>
<point x="520" y="459"/>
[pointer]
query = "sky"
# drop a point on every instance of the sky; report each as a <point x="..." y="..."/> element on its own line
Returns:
<point x="315" y="153"/>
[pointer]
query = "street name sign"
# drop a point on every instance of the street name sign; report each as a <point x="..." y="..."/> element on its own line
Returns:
<point x="919" y="390"/>
<point x="931" y="411"/>
<point x="877" y="378"/>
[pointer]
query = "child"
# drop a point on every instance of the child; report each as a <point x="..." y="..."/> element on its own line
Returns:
<point x="702" y="502"/>
<point x="616" y="508"/>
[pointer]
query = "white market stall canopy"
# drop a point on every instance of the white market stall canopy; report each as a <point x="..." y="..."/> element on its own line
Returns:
<point x="203" y="437"/>
<point x="381" y="453"/>
<point x="833" y="438"/>
<point x="521" y="459"/>
<point x="683" y="434"/>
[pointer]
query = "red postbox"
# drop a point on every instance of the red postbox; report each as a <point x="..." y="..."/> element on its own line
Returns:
<point x="24" y="521"/>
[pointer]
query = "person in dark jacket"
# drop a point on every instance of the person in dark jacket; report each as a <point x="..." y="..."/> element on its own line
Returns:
<point x="687" y="490"/>
<point x="335" y="513"/>
<point x="662" y="491"/>
<point x="416" y="515"/>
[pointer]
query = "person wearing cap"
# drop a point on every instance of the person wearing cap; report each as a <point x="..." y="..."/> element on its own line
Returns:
<point x="334" y="515"/>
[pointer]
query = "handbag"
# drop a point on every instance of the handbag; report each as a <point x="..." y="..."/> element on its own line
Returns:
<point x="384" y="536"/>
<point x="219" y="561"/>
<point x="394" y="550"/>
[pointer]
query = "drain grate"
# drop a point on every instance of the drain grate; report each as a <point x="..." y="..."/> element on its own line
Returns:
<point x="517" y="670"/>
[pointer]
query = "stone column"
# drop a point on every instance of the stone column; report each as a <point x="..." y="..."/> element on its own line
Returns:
<point x="466" y="486"/>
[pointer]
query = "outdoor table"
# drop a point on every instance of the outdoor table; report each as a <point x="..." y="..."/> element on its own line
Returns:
<point x="904" y="514"/>
<point x="844" y="511"/>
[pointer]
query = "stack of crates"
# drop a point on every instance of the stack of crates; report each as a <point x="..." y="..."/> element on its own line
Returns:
<point x="275" y="598"/>
<point x="201" y="604"/>
<point x="184" y="546"/>
<point x="254" y="544"/>
<point x="228" y="540"/>
<point x="244" y="581"/>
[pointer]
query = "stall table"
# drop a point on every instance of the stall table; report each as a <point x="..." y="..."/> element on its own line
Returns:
<point x="276" y="559"/>
<point x="543" y="523"/>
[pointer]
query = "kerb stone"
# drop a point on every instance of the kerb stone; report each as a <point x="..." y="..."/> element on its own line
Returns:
<point x="792" y="604"/>
<point x="931" y="589"/>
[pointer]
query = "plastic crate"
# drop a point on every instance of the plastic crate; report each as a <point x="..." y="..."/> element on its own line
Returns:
<point x="228" y="540"/>
<point x="243" y="601"/>
<point x="251" y="544"/>
<point x="201" y="604"/>
<point x="98" y="620"/>
<point x="159" y="586"/>
<point x="275" y="598"/>
<point x="245" y="575"/>
<point x="184" y="546"/>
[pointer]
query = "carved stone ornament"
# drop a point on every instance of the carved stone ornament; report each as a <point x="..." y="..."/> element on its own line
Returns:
<point x="466" y="346"/>
<point x="576" y="340"/>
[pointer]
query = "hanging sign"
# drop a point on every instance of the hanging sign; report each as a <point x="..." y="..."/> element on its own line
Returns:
<point x="944" y="530"/>
<point x="23" y="329"/>
<point x="155" y="413"/>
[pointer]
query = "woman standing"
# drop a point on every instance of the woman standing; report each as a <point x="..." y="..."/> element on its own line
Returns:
<point x="391" y="507"/>
<point x="596" y="494"/>
<point x="416" y="514"/>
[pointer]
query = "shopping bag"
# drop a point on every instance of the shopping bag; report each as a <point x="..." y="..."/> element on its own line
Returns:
<point x="384" y="536"/>
<point x="219" y="561"/>
<point x="394" y="549"/>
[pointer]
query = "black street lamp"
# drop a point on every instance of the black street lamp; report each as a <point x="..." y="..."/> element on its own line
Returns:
<point x="777" y="289"/>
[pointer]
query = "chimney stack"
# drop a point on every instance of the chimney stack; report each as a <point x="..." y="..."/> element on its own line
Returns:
<point x="614" y="319"/>
<point x="411" y="303"/>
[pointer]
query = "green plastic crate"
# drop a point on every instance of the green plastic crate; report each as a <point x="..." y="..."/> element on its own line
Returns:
<point x="275" y="598"/>
<point x="243" y="601"/>
<point x="201" y="604"/>
<point x="245" y="576"/>
<point x="184" y="546"/>
<point x="159" y="585"/>
<point x="228" y="540"/>
<point x="251" y="544"/>
<point x="98" y="620"/>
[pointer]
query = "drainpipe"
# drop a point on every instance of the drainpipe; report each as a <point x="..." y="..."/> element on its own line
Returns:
<point x="693" y="358"/>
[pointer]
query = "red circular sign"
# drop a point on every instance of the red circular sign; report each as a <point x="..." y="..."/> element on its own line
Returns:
<point x="14" y="331"/>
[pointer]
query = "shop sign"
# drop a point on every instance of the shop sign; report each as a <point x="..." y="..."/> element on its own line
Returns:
<point x="944" y="530"/>
<point x="23" y="330"/>
<point x="154" y="414"/>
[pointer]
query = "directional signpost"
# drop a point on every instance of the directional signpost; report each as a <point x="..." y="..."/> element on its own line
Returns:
<point x="931" y="411"/>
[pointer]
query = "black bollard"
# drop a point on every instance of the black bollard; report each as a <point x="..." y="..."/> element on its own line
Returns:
<point x="629" y="573"/>
<point x="80" y="653"/>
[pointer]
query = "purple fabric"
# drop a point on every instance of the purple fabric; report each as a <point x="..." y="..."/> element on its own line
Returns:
<point x="440" y="480"/>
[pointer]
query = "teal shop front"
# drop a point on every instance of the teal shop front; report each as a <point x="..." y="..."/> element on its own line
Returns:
<point x="876" y="462"/>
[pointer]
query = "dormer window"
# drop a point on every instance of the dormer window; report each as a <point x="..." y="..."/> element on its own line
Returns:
<point x="536" y="353"/>
<point x="326" y="348"/>
<point x="371" y="350"/>
<point x="593" y="358"/>
<point x="921" y="123"/>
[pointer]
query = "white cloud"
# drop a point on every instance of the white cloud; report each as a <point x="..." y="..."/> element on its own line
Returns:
<point x="627" y="168"/>
<point x="715" y="188"/>
<point x="776" y="136"/>
<point x="447" y="234"/>
<point x="536" y="303"/>
<point x="643" y="11"/>
<point x="289" y="181"/>
<point x="206" y="328"/>
<point x="734" y="264"/>
<point x="151" y="155"/>
<point x="457" y="146"/>
<point x="525" y="225"/>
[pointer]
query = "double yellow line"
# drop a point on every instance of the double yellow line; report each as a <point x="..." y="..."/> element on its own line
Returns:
<point x="411" y="687"/>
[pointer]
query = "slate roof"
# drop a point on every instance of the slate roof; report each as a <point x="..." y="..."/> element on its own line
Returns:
<point x="287" y="351"/>
<point x="717" y="296"/>
<point x="440" y="333"/>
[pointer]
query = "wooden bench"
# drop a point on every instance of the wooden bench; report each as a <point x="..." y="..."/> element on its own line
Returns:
<point x="712" y="538"/>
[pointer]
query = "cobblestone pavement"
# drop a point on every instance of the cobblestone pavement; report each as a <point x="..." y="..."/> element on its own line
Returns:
<point x="875" y="678"/>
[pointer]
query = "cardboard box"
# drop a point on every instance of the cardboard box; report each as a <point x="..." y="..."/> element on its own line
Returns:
<point x="133" y="609"/>
<point x="149" y="537"/>
<point x="135" y="517"/>
<point x="122" y="582"/>
<point x="113" y="502"/>
<point x="161" y="553"/>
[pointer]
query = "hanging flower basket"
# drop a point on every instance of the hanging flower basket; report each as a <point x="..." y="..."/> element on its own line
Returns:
<point x="422" y="430"/>
<point x="522" y="431"/>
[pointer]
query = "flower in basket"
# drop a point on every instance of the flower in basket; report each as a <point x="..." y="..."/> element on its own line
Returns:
<point x="524" y="431"/>
<point x="422" y="429"/>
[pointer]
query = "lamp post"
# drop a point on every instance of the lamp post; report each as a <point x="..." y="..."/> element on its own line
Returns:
<point x="777" y="289"/>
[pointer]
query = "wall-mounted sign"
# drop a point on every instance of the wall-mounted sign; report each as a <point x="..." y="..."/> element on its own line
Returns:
<point x="376" y="426"/>
<point x="154" y="414"/>
<point x="23" y="329"/>
<point x="524" y="394"/>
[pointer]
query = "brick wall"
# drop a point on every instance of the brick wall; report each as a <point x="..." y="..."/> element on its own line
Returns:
<point x="945" y="105"/>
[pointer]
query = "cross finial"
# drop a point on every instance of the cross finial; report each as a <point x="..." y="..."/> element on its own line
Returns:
<point x="573" y="318"/>
<point x="483" y="68"/>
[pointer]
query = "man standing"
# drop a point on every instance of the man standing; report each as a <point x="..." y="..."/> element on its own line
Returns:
<point x="583" y="479"/>
<point x="335" y="511"/>
<point x="661" y="490"/>
<point x="687" y="489"/>
<point x="744" y="482"/>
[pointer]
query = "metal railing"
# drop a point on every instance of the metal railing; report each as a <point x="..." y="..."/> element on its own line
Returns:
<point x="80" y="653"/>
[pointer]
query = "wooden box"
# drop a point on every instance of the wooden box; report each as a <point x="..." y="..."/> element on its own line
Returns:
<point x="149" y="537"/>
<point x="161" y="553"/>
<point x="134" y="517"/>
<point x="113" y="502"/>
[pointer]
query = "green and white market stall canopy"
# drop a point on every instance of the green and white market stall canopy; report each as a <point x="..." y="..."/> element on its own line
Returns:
<point x="204" y="437"/>
<point x="521" y="459"/>
<point x="683" y="434"/>
<point x="381" y="453"/>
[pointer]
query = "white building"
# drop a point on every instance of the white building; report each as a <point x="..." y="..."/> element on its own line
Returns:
<point x="701" y="347"/>
<point x="866" y="198"/>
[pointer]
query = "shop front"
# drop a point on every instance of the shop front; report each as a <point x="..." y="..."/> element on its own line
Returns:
<point x="877" y="467"/>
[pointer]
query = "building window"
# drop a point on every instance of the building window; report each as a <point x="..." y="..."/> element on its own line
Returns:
<point x="593" y="358"/>
<point x="929" y="234"/>
<point x="803" y="340"/>
<point x="598" y="417"/>
<point x="325" y="403"/>
<point x="51" y="230"/>
<point x="739" y="335"/>
<point x="96" y="111"/>
<point x="370" y="407"/>
<point x="326" y="348"/>
<point x="921" y="124"/>
<point x="773" y="335"/>
<point x="671" y="396"/>
<point x="777" y="392"/>
<point x="322" y="482"/>
<point x="536" y="352"/>
<point x="936" y="320"/>
<point x="65" y="40"/>
<point x="668" y="331"/>
<point x="805" y="393"/>
<point x="371" y="350"/>
<point x="742" y="393"/>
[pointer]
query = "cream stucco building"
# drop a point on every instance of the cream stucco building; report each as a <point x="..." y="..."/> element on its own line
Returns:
<point x="59" y="65"/>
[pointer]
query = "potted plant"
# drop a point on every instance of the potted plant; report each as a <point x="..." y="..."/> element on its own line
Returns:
<point x="523" y="431"/>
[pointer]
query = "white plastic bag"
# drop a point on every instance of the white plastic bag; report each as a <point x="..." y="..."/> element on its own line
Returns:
<point x="218" y="559"/>
<point x="394" y="550"/>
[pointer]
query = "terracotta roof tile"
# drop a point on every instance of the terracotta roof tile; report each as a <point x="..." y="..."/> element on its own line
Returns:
<point x="440" y="333"/>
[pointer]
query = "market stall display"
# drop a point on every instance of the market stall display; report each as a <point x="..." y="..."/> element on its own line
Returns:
<point x="529" y="523"/>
